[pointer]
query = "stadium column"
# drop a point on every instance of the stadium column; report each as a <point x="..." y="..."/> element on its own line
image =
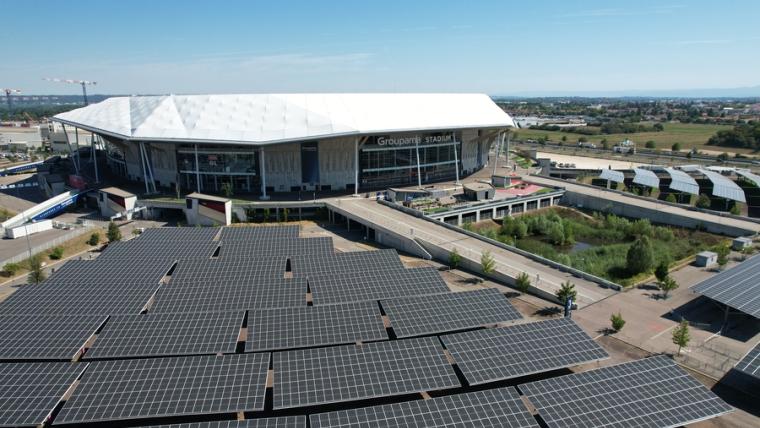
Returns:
<point x="71" y="152"/>
<point x="197" y="171"/>
<point x="263" y="176"/>
<point x="356" y="166"/>
<point x="456" y="155"/>
<point x="419" y="173"/>
<point x="499" y="142"/>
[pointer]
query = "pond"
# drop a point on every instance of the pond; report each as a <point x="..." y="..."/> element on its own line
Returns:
<point x="580" y="246"/>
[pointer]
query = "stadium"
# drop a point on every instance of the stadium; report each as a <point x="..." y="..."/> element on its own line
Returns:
<point x="267" y="143"/>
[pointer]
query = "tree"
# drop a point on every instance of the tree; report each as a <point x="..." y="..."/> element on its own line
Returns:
<point x="617" y="322"/>
<point x="650" y="144"/>
<point x="723" y="252"/>
<point x="703" y="201"/>
<point x="661" y="271"/>
<point x="565" y="292"/>
<point x="723" y="157"/>
<point x="671" y="198"/>
<point x="555" y="233"/>
<point x="681" y="335"/>
<point x="454" y="259"/>
<point x="667" y="285"/>
<point x="522" y="282"/>
<point x="114" y="234"/>
<point x="266" y="215"/>
<point x="735" y="210"/>
<point x="605" y="144"/>
<point x="226" y="189"/>
<point x="676" y="147"/>
<point x="640" y="257"/>
<point x="658" y="127"/>
<point x="487" y="262"/>
<point x="36" y="274"/>
<point x="564" y="138"/>
<point x="94" y="239"/>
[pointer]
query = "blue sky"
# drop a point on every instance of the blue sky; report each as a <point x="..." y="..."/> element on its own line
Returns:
<point x="496" y="47"/>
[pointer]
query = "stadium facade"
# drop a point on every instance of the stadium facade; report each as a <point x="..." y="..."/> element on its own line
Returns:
<point x="292" y="142"/>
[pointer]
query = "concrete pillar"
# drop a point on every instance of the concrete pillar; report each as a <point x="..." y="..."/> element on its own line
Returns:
<point x="525" y="207"/>
<point x="356" y="166"/>
<point x="263" y="175"/>
<point x="348" y="224"/>
<point x="477" y="216"/>
<point x="419" y="171"/>
<point x="459" y="220"/>
<point x="493" y="213"/>
<point x="456" y="155"/>
<point x="197" y="171"/>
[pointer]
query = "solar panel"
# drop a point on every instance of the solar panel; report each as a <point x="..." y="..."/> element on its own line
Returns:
<point x="738" y="287"/>
<point x="156" y="387"/>
<point x="237" y="271"/>
<point x="415" y="316"/>
<point x="50" y="299"/>
<point x="30" y="391"/>
<point x="500" y="407"/>
<point x="342" y="287"/>
<point x="682" y="181"/>
<point x="723" y="186"/>
<point x="168" y="334"/>
<point x="354" y="261"/>
<point x="286" y="328"/>
<point x="268" y="293"/>
<point x="146" y="250"/>
<point x="519" y="350"/>
<point x="649" y="392"/>
<point x="750" y="364"/>
<point x="101" y="273"/>
<point x="281" y="422"/>
<point x="646" y="177"/>
<point x="183" y="234"/>
<point x="612" y="175"/>
<point x="344" y="373"/>
<point x="59" y="337"/>
<point x="292" y="247"/>
<point x="259" y="233"/>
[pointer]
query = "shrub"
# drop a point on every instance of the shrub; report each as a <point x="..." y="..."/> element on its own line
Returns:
<point x="94" y="239"/>
<point x="661" y="271"/>
<point x="36" y="274"/>
<point x="676" y="147"/>
<point x="454" y="259"/>
<point x="650" y="144"/>
<point x="56" y="253"/>
<point x="565" y="292"/>
<point x="671" y="198"/>
<point x="617" y="322"/>
<point x="522" y="282"/>
<point x="681" y="335"/>
<point x="114" y="234"/>
<point x="703" y="201"/>
<point x="735" y="210"/>
<point x="667" y="285"/>
<point x="487" y="262"/>
<point x="11" y="269"/>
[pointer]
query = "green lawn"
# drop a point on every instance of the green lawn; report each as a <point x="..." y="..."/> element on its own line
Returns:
<point x="597" y="244"/>
<point x="689" y="135"/>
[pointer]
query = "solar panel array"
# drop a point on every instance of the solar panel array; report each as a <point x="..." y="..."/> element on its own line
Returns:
<point x="281" y="422"/>
<point x="37" y="337"/>
<point x="154" y="387"/>
<point x="261" y="233"/>
<point x="285" y="328"/>
<point x="415" y="316"/>
<point x="350" y="372"/>
<point x="166" y="348"/>
<point x="30" y="391"/>
<point x="738" y="287"/>
<point x="652" y="392"/>
<point x="341" y="287"/>
<point x="750" y="364"/>
<point x="519" y="350"/>
<point x="501" y="407"/>
<point x="168" y="334"/>
<point x="266" y="293"/>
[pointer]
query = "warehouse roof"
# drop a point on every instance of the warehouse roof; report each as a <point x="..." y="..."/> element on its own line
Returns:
<point x="276" y="118"/>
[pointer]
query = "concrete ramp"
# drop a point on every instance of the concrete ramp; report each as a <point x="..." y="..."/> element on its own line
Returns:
<point x="438" y="241"/>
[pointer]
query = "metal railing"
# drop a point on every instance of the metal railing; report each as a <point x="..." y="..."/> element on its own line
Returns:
<point x="47" y="245"/>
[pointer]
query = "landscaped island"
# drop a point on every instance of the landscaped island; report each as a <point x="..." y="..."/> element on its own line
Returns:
<point x="599" y="244"/>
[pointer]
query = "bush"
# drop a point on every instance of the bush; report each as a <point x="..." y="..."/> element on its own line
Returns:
<point x="650" y="144"/>
<point x="36" y="274"/>
<point x="640" y="257"/>
<point x="454" y="259"/>
<point x="11" y="269"/>
<point x="735" y="210"/>
<point x="617" y="322"/>
<point x="114" y="234"/>
<point x="487" y="262"/>
<point x="56" y="253"/>
<point x="94" y="239"/>
<point x="703" y="201"/>
<point x="522" y="282"/>
<point x="565" y="292"/>
<point x="671" y="198"/>
<point x="661" y="271"/>
<point x="676" y="147"/>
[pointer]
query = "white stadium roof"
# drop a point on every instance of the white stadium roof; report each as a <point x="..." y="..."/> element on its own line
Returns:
<point x="277" y="118"/>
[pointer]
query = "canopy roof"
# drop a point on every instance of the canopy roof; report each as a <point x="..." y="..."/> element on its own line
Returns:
<point x="612" y="175"/>
<point x="276" y="118"/>
<point x="646" y="177"/>
<point x="682" y="181"/>
<point x="724" y="187"/>
<point x="749" y="176"/>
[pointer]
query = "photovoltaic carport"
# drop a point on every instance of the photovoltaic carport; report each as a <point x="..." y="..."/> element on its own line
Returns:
<point x="645" y="177"/>
<point x="682" y="182"/>
<point x="612" y="175"/>
<point x="723" y="186"/>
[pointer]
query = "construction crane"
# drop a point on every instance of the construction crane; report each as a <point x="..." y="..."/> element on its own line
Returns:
<point x="84" y="84"/>
<point x="8" y="93"/>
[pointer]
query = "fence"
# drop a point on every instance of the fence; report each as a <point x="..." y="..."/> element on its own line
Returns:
<point x="48" y="245"/>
